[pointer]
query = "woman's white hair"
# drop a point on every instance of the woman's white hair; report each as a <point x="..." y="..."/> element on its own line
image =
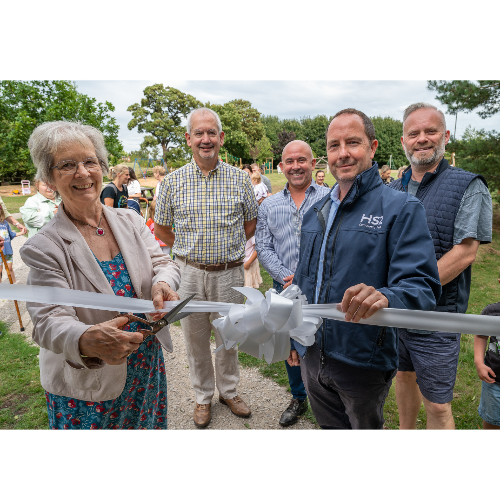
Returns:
<point x="48" y="137"/>
<point x="203" y="110"/>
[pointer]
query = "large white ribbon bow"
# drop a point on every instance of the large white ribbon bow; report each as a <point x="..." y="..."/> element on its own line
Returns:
<point x="264" y="325"/>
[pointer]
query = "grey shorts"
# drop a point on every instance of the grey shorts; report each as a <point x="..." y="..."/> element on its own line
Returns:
<point x="434" y="359"/>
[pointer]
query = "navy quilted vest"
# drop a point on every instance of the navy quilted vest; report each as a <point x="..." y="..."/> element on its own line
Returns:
<point x="441" y="193"/>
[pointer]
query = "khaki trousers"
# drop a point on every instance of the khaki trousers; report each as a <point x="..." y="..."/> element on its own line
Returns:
<point x="211" y="286"/>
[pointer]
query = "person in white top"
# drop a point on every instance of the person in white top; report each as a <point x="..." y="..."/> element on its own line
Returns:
<point x="39" y="208"/>
<point x="259" y="187"/>
<point x="133" y="186"/>
<point x="251" y="265"/>
<point x="159" y="173"/>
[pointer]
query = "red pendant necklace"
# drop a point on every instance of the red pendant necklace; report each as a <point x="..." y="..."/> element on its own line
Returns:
<point x="98" y="230"/>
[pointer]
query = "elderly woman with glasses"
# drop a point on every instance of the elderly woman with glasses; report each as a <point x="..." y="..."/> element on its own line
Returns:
<point x="98" y="371"/>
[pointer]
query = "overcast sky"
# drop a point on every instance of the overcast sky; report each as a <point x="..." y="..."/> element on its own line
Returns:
<point x="285" y="99"/>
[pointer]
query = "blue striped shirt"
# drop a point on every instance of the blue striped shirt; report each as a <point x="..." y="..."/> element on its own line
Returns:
<point x="277" y="237"/>
<point x="334" y="196"/>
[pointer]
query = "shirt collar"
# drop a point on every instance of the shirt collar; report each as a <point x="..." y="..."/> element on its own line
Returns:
<point x="312" y="186"/>
<point x="198" y="169"/>
<point x="334" y="194"/>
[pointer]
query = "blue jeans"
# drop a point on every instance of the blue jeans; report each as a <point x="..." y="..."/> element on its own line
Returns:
<point x="294" y="374"/>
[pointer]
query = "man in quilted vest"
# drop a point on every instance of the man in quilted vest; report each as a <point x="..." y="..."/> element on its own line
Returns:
<point x="459" y="215"/>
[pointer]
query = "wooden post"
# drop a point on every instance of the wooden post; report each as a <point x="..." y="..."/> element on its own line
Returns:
<point x="11" y="282"/>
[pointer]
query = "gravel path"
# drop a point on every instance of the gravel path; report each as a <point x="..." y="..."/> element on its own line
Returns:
<point x="266" y="399"/>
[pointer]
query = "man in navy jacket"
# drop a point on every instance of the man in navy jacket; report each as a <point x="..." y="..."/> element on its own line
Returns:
<point x="366" y="247"/>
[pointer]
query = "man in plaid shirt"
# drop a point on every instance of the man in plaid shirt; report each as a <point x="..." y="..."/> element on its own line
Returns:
<point x="213" y="207"/>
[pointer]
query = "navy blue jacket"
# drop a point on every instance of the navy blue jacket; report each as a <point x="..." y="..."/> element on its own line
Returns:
<point x="379" y="237"/>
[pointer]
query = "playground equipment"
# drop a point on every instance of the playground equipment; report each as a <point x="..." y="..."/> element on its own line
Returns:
<point x="229" y="158"/>
<point x="392" y="165"/>
<point x="321" y="163"/>
<point x="25" y="187"/>
<point x="147" y="163"/>
<point x="268" y="166"/>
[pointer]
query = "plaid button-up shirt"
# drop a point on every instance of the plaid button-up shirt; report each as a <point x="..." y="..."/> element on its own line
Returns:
<point x="208" y="212"/>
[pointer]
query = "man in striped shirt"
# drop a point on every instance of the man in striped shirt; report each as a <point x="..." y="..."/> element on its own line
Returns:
<point x="277" y="241"/>
<point x="214" y="210"/>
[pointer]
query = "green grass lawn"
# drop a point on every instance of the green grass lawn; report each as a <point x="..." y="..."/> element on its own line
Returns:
<point x="14" y="203"/>
<point x="22" y="399"/>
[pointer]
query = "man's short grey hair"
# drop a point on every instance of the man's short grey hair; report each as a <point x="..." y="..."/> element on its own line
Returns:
<point x="422" y="105"/>
<point x="49" y="137"/>
<point x="203" y="110"/>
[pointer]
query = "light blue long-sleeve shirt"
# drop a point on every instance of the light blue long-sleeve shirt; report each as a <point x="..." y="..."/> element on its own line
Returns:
<point x="279" y="222"/>
<point x="334" y="195"/>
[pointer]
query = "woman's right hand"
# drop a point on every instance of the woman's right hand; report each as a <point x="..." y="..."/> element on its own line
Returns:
<point x="107" y="342"/>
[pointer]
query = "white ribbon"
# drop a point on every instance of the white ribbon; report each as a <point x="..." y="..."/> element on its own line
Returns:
<point x="264" y="325"/>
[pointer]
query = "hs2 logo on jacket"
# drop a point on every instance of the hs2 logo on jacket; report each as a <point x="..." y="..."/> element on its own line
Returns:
<point x="375" y="222"/>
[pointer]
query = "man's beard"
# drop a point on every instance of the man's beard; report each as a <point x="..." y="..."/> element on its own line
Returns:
<point x="425" y="162"/>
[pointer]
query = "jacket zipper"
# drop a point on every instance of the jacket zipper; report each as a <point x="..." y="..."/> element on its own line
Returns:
<point x="329" y="281"/>
<point x="331" y="264"/>
<point x="381" y="336"/>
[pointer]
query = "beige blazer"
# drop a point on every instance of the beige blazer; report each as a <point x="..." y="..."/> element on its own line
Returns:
<point x="59" y="256"/>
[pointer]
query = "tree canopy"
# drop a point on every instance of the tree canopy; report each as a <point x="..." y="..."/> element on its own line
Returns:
<point x="311" y="130"/>
<point x="159" y="114"/>
<point x="241" y="125"/>
<point x="26" y="104"/>
<point x="388" y="132"/>
<point x="466" y="96"/>
<point x="478" y="150"/>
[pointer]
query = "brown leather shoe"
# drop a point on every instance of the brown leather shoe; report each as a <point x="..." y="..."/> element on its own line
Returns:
<point x="202" y="415"/>
<point x="237" y="406"/>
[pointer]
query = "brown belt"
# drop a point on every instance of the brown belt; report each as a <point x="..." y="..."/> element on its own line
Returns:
<point x="210" y="267"/>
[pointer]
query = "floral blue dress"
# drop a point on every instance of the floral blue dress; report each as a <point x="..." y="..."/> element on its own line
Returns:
<point x="143" y="402"/>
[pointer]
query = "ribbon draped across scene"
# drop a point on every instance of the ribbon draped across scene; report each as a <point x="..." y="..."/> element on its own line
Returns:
<point x="263" y="326"/>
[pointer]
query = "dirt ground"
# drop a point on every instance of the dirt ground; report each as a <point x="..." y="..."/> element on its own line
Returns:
<point x="7" y="190"/>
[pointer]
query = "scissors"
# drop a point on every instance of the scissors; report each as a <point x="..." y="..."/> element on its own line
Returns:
<point x="156" y="326"/>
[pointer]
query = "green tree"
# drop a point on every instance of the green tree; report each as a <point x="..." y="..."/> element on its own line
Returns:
<point x="465" y="95"/>
<point x="241" y="125"/>
<point x="159" y="114"/>
<point x="477" y="151"/>
<point x="313" y="132"/>
<point x="284" y="138"/>
<point x="265" y="149"/>
<point x="310" y="130"/>
<point x="388" y="132"/>
<point x="26" y="104"/>
<point x="272" y="127"/>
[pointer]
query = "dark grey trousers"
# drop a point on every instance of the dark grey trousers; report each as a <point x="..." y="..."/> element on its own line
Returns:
<point x="343" y="396"/>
